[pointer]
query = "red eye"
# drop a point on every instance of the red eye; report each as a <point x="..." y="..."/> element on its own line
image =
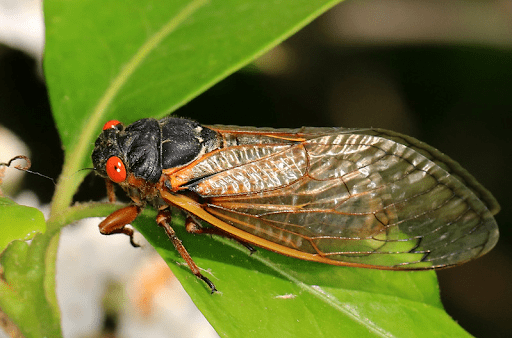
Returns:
<point x="116" y="170"/>
<point x="111" y="124"/>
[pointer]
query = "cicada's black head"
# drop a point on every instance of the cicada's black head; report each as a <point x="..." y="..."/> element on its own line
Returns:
<point x="135" y="149"/>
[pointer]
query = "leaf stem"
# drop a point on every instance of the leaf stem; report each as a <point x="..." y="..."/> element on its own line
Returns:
<point x="80" y="211"/>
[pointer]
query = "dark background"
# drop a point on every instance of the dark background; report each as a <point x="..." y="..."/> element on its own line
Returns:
<point x="451" y="90"/>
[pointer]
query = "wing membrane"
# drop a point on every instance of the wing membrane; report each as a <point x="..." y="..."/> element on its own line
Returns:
<point x="348" y="196"/>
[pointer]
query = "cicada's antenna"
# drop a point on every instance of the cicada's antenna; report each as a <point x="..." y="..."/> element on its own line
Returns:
<point x="85" y="169"/>
<point x="79" y="170"/>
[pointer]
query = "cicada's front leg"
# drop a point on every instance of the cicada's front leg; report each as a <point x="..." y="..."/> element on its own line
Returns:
<point x="194" y="227"/>
<point x="115" y="223"/>
<point x="111" y="193"/>
<point x="163" y="219"/>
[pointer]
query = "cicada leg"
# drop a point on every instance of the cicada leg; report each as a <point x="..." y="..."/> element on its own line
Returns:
<point x="194" y="227"/>
<point x="115" y="223"/>
<point x="111" y="193"/>
<point x="162" y="219"/>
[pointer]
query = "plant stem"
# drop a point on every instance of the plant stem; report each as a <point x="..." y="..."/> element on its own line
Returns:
<point x="66" y="187"/>
<point x="80" y="211"/>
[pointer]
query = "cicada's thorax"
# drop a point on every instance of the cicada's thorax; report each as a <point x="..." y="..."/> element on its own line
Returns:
<point x="148" y="147"/>
<point x="142" y="192"/>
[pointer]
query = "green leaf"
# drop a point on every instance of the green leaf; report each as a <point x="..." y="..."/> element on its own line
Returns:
<point x="18" y="222"/>
<point x="26" y="295"/>
<point x="265" y="293"/>
<point x="133" y="59"/>
<point x="27" y="282"/>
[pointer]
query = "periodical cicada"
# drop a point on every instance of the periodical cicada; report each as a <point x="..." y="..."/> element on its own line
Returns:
<point x="367" y="198"/>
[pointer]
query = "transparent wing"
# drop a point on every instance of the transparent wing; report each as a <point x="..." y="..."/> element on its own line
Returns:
<point x="347" y="197"/>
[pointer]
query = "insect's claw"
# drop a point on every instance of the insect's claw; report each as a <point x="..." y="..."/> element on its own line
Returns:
<point x="210" y="284"/>
<point x="247" y="246"/>
<point x="133" y="243"/>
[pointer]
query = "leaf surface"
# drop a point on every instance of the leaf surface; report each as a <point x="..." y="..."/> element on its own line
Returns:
<point x="18" y="222"/>
<point x="264" y="293"/>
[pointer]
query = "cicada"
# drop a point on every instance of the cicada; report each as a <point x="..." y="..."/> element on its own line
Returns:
<point x="368" y="198"/>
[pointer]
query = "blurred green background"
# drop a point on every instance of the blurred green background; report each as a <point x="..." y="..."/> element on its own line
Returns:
<point x="439" y="71"/>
